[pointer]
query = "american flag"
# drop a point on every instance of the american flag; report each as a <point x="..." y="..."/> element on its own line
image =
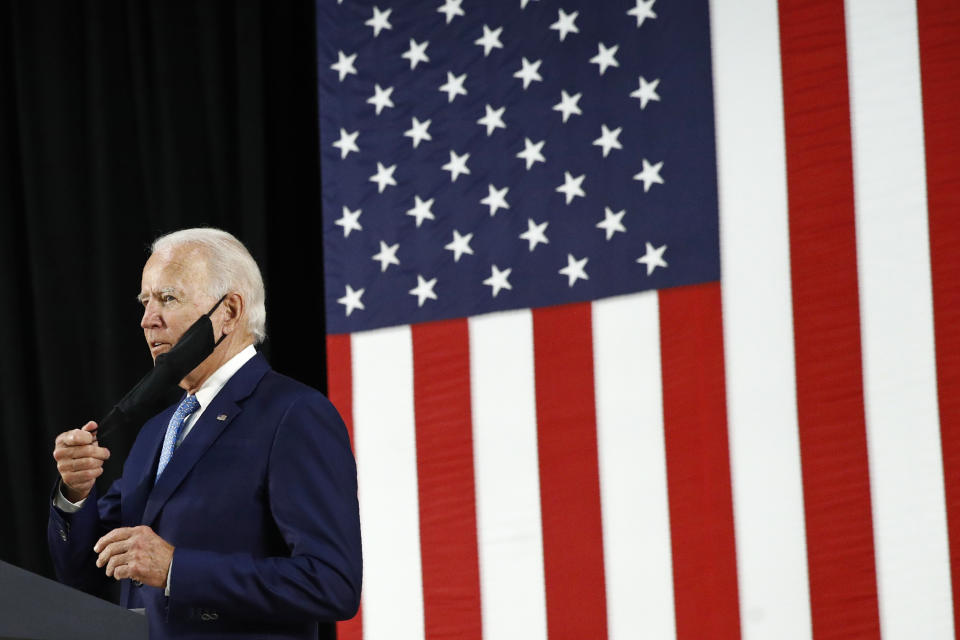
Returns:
<point x="567" y="423"/>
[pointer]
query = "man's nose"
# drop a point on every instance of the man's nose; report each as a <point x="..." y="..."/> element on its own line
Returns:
<point x="151" y="318"/>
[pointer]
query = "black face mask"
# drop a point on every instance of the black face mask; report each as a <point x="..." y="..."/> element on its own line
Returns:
<point x="151" y="393"/>
<point x="191" y="349"/>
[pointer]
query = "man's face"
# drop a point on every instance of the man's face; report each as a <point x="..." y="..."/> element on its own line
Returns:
<point x="173" y="295"/>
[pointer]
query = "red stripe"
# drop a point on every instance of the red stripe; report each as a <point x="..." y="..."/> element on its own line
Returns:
<point x="340" y="378"/>
<point x="340" y="392"/>
<point x="448" y="522"/>
<point x="569" y="476"/>
<point x="833" y="444"/>
<point x="698" y="463"/>
<point x="939" y="30"/>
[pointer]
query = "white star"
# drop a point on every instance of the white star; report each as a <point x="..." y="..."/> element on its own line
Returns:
<point x="352" y="300"/>
<point x="653" y="258"/>
<point x="490" y="40"/>
<point x="349" y="221"/>
<point x="566" y="23"/>
<point x="457" y="165"/>
<point x="416" y="53"/>
<point x="650" y="174"/>
<point x="452" y="9"/>
<point x="524" y="3"/>
<point x="605" y="58"/>
<point x="421" y="210"/>
<point x="642" y="11"/>
<point x="347" y="142"/>
<point x="529" y="72"/>
<point x="387" y="255"/>
<point x="379" y="21"/>
<point x="384" y="177"/>
<point x="344" y="65"/>
<point x="568" y="105"/>
<point x="418" y="131"/>
<point x="496" y="199"/>
<point x="498" y="280"/>
<point x="608" y="139"/>
<point x="531" y="152"/>
<point x="424" y="290"/>
<point x="575" y="269"/>
<point x="571" y="186"/>
<point x="381" y="98"/>
<point x="612" y="222"/>
<point x="493" y="120"/>
<point x="459" y="245"/>
<point x="535" y="233"/>
<point x="454" y="86"/>
<point x="646" y="92"/>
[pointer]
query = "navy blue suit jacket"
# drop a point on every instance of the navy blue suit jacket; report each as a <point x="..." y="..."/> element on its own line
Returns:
<point x="260" y="503"/>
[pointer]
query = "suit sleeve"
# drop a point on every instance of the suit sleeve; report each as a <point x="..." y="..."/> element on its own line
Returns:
<point x="71" y="536"/>
<point x="312" y="487"/>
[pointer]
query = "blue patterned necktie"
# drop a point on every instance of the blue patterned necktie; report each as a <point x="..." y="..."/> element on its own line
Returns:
<point x="174" y="427"/>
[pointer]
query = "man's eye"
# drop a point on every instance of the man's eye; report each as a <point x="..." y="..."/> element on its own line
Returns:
<point x="167" y="298"/>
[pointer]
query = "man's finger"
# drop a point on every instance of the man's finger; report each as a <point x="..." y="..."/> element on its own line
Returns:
<point x="75" y="437"/>
<point x="124" y="571"/>
<point x="82" y="451"/>
<point x="61" y="440"/>
<point x="115" y="561"/>
<point x="80" y="480"/>
<point x="79" y="437"/>
<point x="112" y="564"/>
<point x="91" y="428"/>
<point x="113" y="550"/>
<point x="78" y="464"/>
<point x="90" y="451"/>
<point x="120" y="533"/>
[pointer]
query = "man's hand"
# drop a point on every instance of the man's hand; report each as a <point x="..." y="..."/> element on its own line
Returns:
<point x="136" y="553"/>
<point x="79" y="461"/>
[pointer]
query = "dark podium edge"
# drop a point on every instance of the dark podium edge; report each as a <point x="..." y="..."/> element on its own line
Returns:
<point x="35" y="608"/>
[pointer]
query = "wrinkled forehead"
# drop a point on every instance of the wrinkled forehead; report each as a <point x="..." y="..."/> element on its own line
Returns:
<point x="182" y="269"/>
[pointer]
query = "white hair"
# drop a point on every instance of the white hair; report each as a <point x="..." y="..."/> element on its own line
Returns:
<point x="230" y="267"/>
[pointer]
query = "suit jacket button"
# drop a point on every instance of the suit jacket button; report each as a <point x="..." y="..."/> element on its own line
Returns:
<point x="63" y="535"/>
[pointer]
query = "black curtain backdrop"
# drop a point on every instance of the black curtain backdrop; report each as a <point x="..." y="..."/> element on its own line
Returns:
<point x="121" y="120"/>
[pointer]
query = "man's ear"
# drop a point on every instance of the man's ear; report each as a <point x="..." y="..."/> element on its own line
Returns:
<point x="233" y="308"/>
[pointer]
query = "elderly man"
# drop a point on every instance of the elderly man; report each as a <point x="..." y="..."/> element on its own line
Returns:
<point x="236" y="513"/>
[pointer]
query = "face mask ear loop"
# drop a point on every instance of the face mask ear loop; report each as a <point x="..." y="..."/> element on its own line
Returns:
<point x="210" y="313"/>
<point x="214" y="307"/>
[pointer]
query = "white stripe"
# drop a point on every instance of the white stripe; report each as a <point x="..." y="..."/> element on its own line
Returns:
<point x="757" y="321"/>
<point x="633" y="468"/>
<point x="896" y="310"/>
<point x="509" y="537"/>
<point x="385" y="440"/>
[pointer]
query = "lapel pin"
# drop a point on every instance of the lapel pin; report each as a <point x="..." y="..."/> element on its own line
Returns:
<point x="222" y="417"/>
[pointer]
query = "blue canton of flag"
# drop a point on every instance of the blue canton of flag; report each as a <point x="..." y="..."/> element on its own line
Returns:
<point x="482" y="156"/>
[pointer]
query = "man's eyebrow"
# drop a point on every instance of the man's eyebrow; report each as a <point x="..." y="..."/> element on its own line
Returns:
<point x="146" y="294"/>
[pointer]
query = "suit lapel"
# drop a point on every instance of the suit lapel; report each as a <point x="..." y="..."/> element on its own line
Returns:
<point x="135" y="501"/>
<point x="214" y="420"/>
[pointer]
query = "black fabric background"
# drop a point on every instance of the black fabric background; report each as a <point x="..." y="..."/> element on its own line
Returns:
<point x="121" y="120"/>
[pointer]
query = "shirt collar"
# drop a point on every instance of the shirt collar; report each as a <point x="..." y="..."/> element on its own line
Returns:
<point x="209" y="389"/>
